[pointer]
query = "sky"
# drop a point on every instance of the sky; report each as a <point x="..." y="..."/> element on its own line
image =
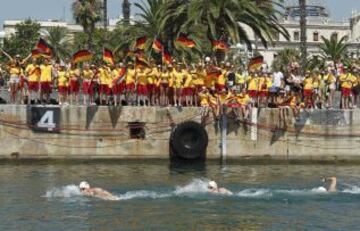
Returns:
<point x="60" y="9"/>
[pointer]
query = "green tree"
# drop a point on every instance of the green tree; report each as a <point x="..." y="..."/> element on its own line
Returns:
<point x="87" y="13"/>
<point x="284" y="58"/>
<point x="58" y="39"/>
<point x="334" y="50"/>
<point x="24" y="40"/>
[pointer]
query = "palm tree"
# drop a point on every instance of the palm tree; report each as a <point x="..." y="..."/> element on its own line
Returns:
<point x="58" y="39"/>
<point x="87" y="13"/>
<point x="126" y="11"/>
<point x="334" y="50"/>
<point x="303" y="37"/>
<point x="226" y="19"/>
<point x="284" y="58"/>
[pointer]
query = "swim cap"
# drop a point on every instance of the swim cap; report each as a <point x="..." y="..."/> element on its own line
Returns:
<point x="84" y="185"/>
<point x="212" y="184"/>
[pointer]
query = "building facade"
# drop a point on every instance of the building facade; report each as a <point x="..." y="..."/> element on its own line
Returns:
<point x="319" y="24"/>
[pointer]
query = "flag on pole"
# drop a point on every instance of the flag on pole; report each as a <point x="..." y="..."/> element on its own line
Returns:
<point x="185" y="42"/>
<point x="120" y="77"/>
<point x="82" y="56"/>
<point x="140" y="43"/>
<point x="167" y="59"/>
<point x="255" y="63"/>
<point x="44" y="47"/>
<point x="220" y="45"/>
<point x="108" y="57"/>
<point x="157" y="46"/>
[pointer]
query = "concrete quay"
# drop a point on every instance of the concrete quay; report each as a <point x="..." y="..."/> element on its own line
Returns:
<point x="100" y="132"/>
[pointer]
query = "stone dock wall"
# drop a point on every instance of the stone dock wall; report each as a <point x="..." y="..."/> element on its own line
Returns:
<point x="108" y="133"/>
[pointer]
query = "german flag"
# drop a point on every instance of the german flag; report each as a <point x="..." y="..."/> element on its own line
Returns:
<point x="141" y="62"/>
<point x="120" y="77"/>
<point x="36" y="53"/>
<point x="44" y="47"/>
<point x="220" y="45"/>
<point x="166" y="57"/>
<point x="185" y="41"/>
<point x="140" y="43"/>
<point x="157" y="46"/>
<point x="108" y="57"/>
<point x="255" y="63"/>
<point x="82" y="56"/>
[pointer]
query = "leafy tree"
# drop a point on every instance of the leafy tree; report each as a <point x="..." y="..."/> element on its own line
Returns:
<point x="333" y="50"/>
<point x="24" y="40"/>
<point x="87" y="13"/>
<point x="284" y="58"/>
<point x="58" y="39"/>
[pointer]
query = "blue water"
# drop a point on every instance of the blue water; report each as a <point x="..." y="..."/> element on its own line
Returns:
<point x="160" y="196"/>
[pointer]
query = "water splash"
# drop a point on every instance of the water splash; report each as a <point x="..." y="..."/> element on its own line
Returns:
<point x="195" y="186"/>
<point x="142" y="194"/>
<point x="255" y="193"/>
<point x="63" y="192"/>
<point x="352" y="190"/>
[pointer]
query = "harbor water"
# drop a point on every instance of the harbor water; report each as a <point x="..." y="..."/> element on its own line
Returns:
<point x="163" y="196"/>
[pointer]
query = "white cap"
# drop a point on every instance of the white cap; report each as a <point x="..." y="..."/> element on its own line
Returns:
<point x="207" y="59"/>
<point x="212" y="184"/>
<point x="84" y="185"/>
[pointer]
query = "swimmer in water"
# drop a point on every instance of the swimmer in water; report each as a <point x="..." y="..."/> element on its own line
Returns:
<point x="331" y="184"/>
<point x="213" y="188"/>
<point x="86" y="190"/>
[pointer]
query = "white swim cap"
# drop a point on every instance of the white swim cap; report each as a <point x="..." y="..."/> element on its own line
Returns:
<point x="212" y="185"/>
<point x="84" y="185"/>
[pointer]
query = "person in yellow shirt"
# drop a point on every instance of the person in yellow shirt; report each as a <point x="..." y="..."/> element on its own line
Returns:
<point x="188" y="88"/>
<point x="308" y="89"/>
<point x="346" y="87"/>
<point x="74" y="84"/>
<point x="264" y="85"/>
<point x="163" y="82"/>
<point x="63" y="84"/>
<point x="141" y="80"/>
<point x="244" y="101"/>
<point x="87" y="86"/>
<point x="14" y="70"/>
<point x="253" y="86"/>
<point x="330" y="81"/>
<point x="46" y="80"/>
<point x="240" y="80"/>
<point x="130" y="84"/>
<point x="118" y="84"/>
<point x="178" y="77"/>
<point x="33" y="74"/>
<point x="105" y="78"/>
<point x="220" y="81"/>
<point x="152" y="79"/>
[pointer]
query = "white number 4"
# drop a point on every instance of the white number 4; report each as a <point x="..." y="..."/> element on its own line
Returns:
<point x="47" y="121"/>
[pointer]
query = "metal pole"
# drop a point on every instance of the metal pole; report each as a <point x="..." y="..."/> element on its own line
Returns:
<point x="223" y="136"/>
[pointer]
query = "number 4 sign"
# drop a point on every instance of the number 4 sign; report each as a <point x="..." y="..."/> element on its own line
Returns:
<point x="44" y="119"/>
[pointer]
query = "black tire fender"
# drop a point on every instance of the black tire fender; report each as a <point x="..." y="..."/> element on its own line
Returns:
<point x="189" y="140"/>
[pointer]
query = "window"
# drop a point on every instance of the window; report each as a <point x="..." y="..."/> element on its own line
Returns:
<point x="334" y="36"/>
<point x="137" y="130"/>
<point x="316" y="36"/>
<point x="296" y="36"/>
